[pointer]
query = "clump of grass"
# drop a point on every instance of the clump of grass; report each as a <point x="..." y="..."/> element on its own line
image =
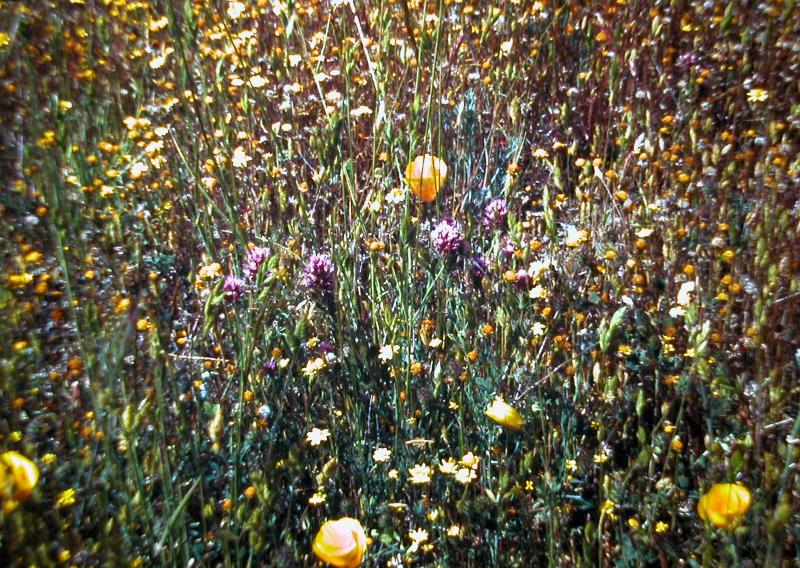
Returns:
<point x="229" y="320"/>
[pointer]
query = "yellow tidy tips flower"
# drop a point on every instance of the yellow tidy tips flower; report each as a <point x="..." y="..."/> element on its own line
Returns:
<point x="757" y="95"/>
<point x="341" y="543"/>
<point x="505" y="414"/>
<point x="420" y="474"/>
<point x="425" y="176"/>
<point x="210" y="271"/>
<point x="724" y="504"/>
<point x="18" y="475"/>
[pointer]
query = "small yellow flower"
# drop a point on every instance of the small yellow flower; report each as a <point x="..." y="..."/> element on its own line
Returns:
<point x="448" y="466"/>
<point x="341" y="543"/>
<point x="210" y="271"/>
<point x="66" y="498"/>
<point x="608" y="508"/>
<point x="661" y="527"/>
<point x="425" y="175"/>
<point x="601" y="457"/>
<point x="757" y="95"/>
<point x="314" y="366"/>
<point x="505" y="414"/>
<point x="470" y="460"/>
<point x="317" y="498"/>
<point x="34" y="257"/>
<point x="19" y="280"/>
<point x="724" y="504"/>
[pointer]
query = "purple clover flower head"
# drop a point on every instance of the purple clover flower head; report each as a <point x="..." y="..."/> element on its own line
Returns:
<point x="447" y="236"/>
<point x="687" y="59"/>
<point x="270" y="367"/>
<point x="318" y="272"/>
<point x="254" y="259"/>
<point x="326" y="347"/>
<point x="494" y="215"/>
<point x="233" y="287"/>
<point x="523" y="280"/>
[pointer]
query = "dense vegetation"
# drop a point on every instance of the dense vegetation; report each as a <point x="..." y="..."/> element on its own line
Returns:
<point x="227" y="318"/>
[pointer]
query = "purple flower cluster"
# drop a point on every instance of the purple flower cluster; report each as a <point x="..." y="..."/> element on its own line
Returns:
<point x="270" y="367"/>
<point x="494" y="215"/>
<point x="523" y="280"/>
<point x="318" y="272"/>
<point x="447" y="236"/>
<point x="233" y="287"/>
<point x="256" y="256"/>
<point x="326" y="347"/>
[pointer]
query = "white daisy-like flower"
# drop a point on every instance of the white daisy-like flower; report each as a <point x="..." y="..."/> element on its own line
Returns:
<point x="240" y="157"/>
<point x="397" y="195"/>
<point x="235" y="10"/>
<point x="381" y="455"/>
<point x="388" y="352"/>
<point x="420" y="474"/>
<point x="316" y="436"/>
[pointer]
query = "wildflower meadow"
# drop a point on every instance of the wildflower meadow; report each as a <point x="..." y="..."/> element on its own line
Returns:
<point x="444" y="283"/>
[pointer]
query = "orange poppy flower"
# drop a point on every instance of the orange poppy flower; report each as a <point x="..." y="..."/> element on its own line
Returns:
<point x="341" y="543"/>
<point x="425" y="176"/>
<point x="505" y="414"/>
<point x="18" y="475"/>
<point x="724" y="504"/>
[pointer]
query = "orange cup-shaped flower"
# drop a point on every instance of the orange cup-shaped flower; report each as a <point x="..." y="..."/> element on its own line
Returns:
<point x="505" y="414"/>
<point x="341" y="543"/>
<point x="724" y="504"/>
<point x="19" y="474"/>
<point x="425" y="176"/>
